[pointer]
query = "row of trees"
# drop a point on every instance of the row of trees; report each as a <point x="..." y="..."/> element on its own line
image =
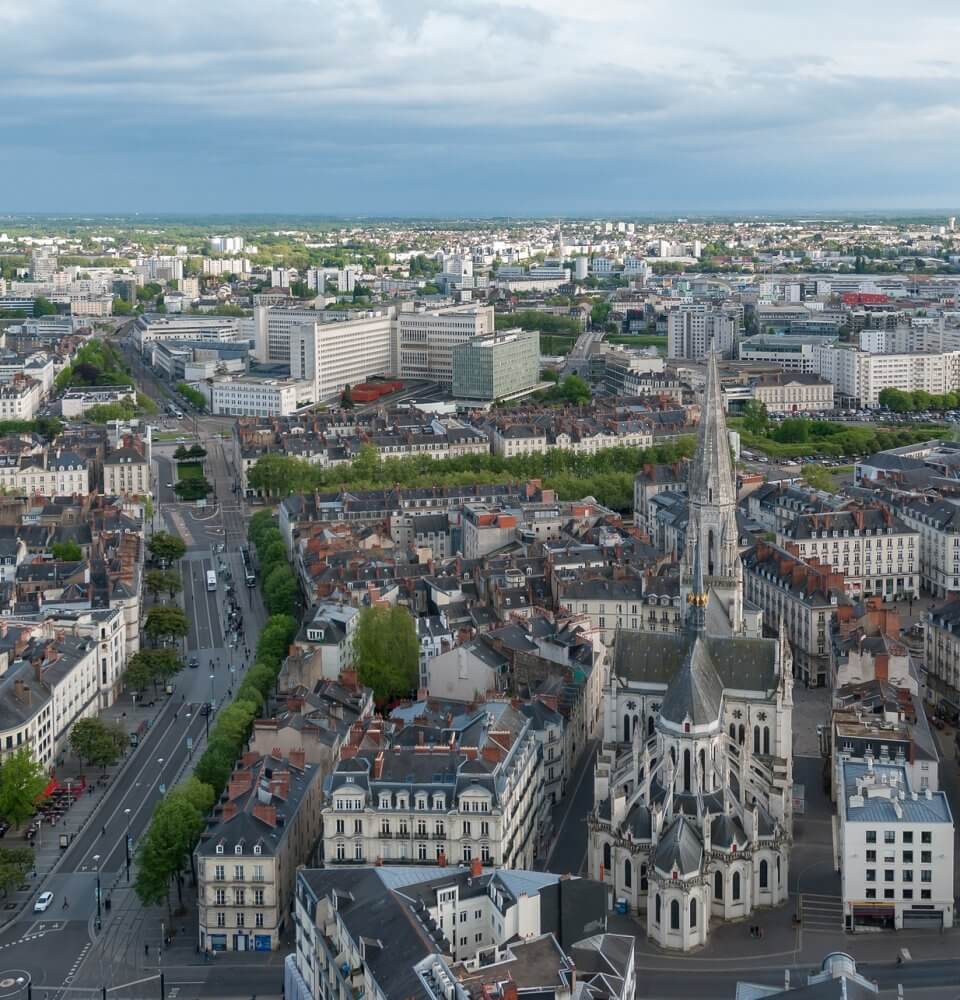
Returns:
<point x="193" y="396"/>
<point x="276" y="577"/>
<point x="907" y="402"/>
<point x="164" y="852"/>
<point x="606" y="475"/>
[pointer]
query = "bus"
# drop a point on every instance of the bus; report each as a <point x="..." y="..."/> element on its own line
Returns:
<point x="211" y="580"/>
<point x="248" y="572"/>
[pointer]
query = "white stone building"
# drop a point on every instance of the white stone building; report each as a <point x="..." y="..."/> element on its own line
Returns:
<point x="895" y="850"/>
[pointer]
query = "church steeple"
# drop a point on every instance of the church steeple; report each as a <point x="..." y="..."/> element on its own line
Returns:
<point x="712" y="488"/>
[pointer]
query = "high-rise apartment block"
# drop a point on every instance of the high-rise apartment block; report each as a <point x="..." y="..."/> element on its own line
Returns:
<point x="693" y="330"/>
<point x="43" y="264"/>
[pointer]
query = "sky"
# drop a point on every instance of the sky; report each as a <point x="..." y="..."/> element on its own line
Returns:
<point x="468" y="108"/>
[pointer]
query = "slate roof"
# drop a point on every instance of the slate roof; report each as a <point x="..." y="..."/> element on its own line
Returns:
<point x="696" y="692"/>
<point x="679" y="845"/>
<point x="652" y="658"/>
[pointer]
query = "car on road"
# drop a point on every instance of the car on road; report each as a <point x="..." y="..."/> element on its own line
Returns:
<point x="194" y="663"/>
<point x="169" y="486"/>
<point x="43" y="901"/>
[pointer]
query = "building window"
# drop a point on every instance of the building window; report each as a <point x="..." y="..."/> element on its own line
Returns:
<point x="871" y="894"/>
<point x="693" y="913"/>
<point x="871" y="836"/>
<point x="674" y="915"/>
<point x="656" y="910"/>
<point x="221" y="920"/>
<point x="889" y="836"/>
<point x="736" y="886"/>
<point x="764" y="874"/>
<point x="238" y="873"/>
<point x="718" y="885"/>
<point x="258" y="920"/>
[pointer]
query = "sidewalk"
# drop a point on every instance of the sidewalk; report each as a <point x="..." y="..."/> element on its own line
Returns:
<point x="782" y="944"/>
<point x="47" y="851"/>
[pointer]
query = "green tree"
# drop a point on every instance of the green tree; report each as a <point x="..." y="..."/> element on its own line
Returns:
<point x="755" y="418"/>
<point x="280" y="591"/>
<point x="166" y="547"/>
<point x="22" y="783"/>
<point x="85" y="736"/>
<point x="181" y="453"/>
<point x="386" y="652"/>
<point x="166" y="622"/>
<point x="15" y="862"/>
<point x="43" y="307"/>
<point x="818" y="477"/>
<point x="49" y="428"/>
<point x="260" y="523"/>
<point x="193" y="488"/>
<point x="274" y="641"/>
<point x="151" y="666"/>
<point x="166" y="847"/>
<point x="66" y="551"/>
<point x="599" y="313"/>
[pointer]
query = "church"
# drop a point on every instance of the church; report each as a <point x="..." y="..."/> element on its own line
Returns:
<point x="693" y="785"/>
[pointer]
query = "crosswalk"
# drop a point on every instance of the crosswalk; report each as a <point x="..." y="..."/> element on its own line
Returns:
<point x="819" y="912"/>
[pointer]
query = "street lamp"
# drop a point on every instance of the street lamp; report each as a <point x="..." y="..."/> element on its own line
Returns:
<point x="126" y="843"/>
<point x="96" y="861"/>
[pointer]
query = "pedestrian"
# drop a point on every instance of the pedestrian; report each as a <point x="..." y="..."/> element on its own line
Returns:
<point x="103" y="832"/>
<point x="146" y="950"/>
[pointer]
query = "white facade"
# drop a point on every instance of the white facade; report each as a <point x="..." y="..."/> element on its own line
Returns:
<point x="691" y="329"/>
<point x="423" y="341"/>
<point x="333" y="355"/>
<point x="20" y="399"/>
<point x="861" y="377"/>
<point x="248" y="397"/>
<point x="894" y="850"/>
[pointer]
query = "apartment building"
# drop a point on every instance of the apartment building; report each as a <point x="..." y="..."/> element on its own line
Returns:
<point x="258" y="397"/>
<point x="791" y="353"/>
<point x="424" y="340"/>
<point x="800" y="596"/>
<point x="491" y="368"/>
<point x="448" y="802"/>
<point x="895" y="850"/>
<point x="693" y="329"/>
<point x="650" y="482"/>
<point x="247" y="859"/>
<point x="333" y="355"/>
<point x="942" y="650"/>
<point x="452" y="934"/>
<point x="126" y="472"/>
<point x="612" y="605"/>
<point x="874" y="550"/>
<point x="880" y="722"/>
<point x="50" y="684"/>
<point x="859" y="377"/>
<point x="937" y="522"/>
<point x="20" y="398"/>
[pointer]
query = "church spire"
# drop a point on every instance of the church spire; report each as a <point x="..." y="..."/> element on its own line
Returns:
<point x="697" y="598"/>
<point x="711" y="478"/>
<point x="712" y="489"/>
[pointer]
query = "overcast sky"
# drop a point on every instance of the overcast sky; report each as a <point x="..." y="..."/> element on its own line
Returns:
<point x="521" y="107"/>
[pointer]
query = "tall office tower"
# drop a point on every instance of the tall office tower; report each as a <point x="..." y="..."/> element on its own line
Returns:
<point x="423" y="340"/>
<point x="341" y="353"/>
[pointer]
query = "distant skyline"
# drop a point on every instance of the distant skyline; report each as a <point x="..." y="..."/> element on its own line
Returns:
<point x="400" y="108"/>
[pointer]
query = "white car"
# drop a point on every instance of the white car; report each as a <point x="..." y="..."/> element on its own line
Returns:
<point x="43" y="901"/>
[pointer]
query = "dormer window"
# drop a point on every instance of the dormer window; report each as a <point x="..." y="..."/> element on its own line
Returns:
<point x="219" y="848"/>
<point x="257" y="849"/>
<point x="238" y="849"/>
